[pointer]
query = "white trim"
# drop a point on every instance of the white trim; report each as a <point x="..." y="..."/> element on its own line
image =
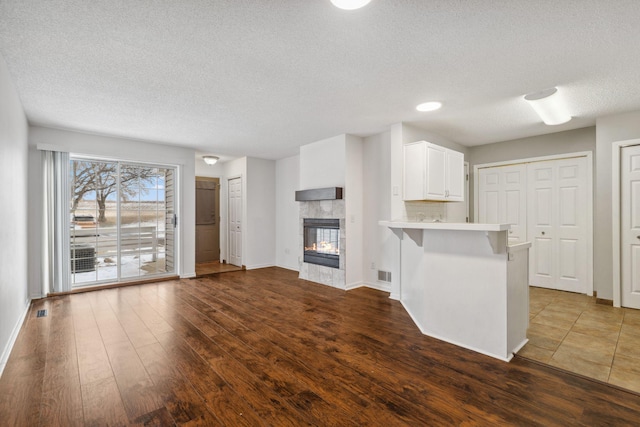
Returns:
<point x="188" y="275"/>
<point x="13" y="337"/>
<point x="287" y="268"/>
<point x="476" y="168"/>
<point x="257" y="266"/>
<point x="354" y="285"/>
<point x="589" y="156"/>
<point x="615" y="217"/>
<point x="378" y="286"/>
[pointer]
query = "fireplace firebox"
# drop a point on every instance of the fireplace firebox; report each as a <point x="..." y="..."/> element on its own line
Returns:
<point x="322" y="241"/>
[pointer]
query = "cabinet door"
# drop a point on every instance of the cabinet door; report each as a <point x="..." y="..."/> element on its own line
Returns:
<point x="436" y="180"/>
<point x="414" y="171"/>
<point x="454" y="176"/>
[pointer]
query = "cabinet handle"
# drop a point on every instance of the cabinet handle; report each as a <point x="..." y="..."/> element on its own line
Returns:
<point x="543" y="233"/>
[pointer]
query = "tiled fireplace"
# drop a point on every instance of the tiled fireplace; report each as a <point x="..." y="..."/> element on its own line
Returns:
<point x="324" y="263"/>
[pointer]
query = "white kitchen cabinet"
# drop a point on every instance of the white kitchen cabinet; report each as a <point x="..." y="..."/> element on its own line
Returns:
<point x="432" y="172"/>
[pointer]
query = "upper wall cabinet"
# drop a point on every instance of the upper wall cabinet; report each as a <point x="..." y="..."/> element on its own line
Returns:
<point x="432" y="172"/>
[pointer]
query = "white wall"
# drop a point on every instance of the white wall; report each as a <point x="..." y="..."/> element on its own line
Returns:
<point x="261" y="214"/>
<point x="131" y="150"/>
<point x="287" y="213"/>
<point x="14" y="206"/>
<point x="323" y="163"/>
<point x="353" y="189"/>
<point x="376" y="207"/>
<point x="210" y="171"/>
<point x="608" y="130"/>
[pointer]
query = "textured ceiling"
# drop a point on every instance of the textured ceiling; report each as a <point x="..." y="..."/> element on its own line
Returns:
<point x="261" y="78"/>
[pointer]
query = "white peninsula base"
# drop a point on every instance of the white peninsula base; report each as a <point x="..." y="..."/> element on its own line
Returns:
<point x="463" y="284"/>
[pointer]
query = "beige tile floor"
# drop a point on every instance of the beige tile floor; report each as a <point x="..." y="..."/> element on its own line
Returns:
<point x="570" y="331"/>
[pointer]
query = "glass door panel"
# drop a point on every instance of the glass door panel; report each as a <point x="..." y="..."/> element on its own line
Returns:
<point x="122" y="221"/>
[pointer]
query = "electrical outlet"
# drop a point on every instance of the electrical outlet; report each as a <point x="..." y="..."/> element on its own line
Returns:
<point x="287" y="251"/>
<point x="373" y="265"/>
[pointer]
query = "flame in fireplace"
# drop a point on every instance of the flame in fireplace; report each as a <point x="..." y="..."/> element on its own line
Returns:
<point x="324" y="248"/>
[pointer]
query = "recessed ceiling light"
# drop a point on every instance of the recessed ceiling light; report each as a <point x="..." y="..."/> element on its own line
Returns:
<point x="350" y="4"/>
<point x="429" y="106"/>
<point x="548" y="106"/>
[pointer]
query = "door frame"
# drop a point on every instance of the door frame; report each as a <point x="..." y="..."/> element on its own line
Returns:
<point x="177" y="209"/>
<point x="616" y="177"/>
<point x="589" y="156"/>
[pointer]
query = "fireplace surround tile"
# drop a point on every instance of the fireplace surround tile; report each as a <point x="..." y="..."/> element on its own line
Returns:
<point x="324" y="209"/>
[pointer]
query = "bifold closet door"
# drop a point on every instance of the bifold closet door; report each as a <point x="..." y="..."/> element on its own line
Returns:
<point x="557" y="224"/>
<point x="503" y="199"/>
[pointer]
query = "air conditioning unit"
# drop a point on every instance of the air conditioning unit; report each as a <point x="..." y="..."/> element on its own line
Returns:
<point x="83" y="258"/>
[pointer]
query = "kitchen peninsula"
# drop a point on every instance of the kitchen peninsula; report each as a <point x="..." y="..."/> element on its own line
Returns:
<point x="462" y="283"/>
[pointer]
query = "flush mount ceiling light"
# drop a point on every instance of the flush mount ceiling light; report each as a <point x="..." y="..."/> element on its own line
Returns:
<point x="429" y="106"/>
<point x="549" y="106"/>
<point x="350" y="4"/>
<point x="210" y="160"/>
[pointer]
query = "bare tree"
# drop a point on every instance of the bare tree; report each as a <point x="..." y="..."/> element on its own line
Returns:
<point x="101" y="178"/>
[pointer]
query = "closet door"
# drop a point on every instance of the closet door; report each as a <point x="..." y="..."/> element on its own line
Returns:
<point x="503" y="199"/>
<point x="557" y="223"/>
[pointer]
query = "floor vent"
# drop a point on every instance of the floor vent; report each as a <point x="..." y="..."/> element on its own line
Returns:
<point x="384" y="276"/>
<point x="42" y="313"/>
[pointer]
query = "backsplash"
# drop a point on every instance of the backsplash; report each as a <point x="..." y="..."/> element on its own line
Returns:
<point x="425" y="211"/>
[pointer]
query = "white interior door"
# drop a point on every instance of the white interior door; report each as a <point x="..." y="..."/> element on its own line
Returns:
<point x="630" y="226"/>
<point x="557" y="223"/>
<point x="503" y="199"/>
<point x="235" y="221"/>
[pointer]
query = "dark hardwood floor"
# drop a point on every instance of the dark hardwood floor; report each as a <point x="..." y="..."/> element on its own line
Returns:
<point x="262" y="347"/>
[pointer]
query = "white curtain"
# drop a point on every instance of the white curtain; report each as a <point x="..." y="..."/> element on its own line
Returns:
<point x="56" y="276"/>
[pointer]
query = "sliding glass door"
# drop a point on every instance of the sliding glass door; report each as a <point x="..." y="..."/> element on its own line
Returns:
<point x="122" y="221"/>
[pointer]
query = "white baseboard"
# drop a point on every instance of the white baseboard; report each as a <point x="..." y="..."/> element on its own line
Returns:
<point x="354" y="285"/>
<point x="376" y="286"/>
<point x="380" y="286"/>
<point x="257" y="266"/>
<point x="286" y="267"/>
<point x="188" y="275"/>
<point x="12" y="339"/>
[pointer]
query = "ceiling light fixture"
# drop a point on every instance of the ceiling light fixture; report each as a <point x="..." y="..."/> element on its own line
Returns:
<point x="548" y="106"/>
<point x="429" y="106"/>
<point x="210" y="160"/>
<point x="350" y="4"/>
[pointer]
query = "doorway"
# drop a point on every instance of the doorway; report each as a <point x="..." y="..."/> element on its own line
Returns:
<point x="207" y="220"/>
